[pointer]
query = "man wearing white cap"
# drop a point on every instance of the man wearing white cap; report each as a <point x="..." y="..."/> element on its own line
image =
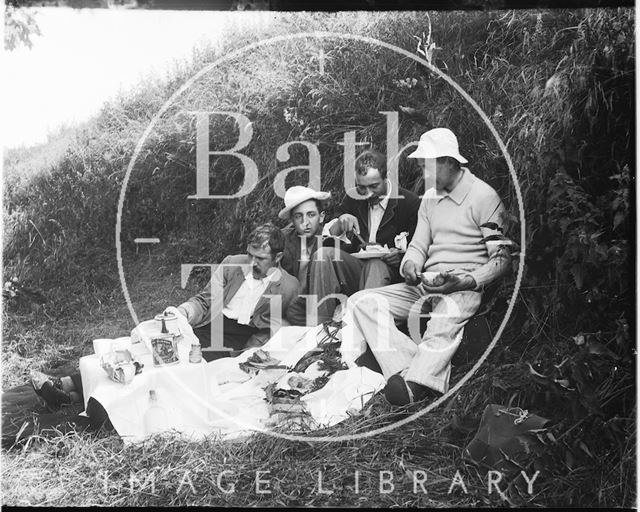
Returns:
<point x="321" y="267"/>
<point x="445" y="265"/>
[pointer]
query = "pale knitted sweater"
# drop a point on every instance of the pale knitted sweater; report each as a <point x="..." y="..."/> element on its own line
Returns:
<point x="448" y="232"/>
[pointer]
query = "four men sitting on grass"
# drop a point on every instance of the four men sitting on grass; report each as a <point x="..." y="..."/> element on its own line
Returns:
<point x="445" y="267"/>
<point x="310" y="270"/>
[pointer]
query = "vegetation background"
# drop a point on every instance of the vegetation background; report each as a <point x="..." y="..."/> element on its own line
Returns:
<point x="558" y="85"/>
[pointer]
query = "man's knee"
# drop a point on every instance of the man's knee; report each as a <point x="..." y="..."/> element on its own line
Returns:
<point x="375" y="273"/>
<point x="358" y="297"/>
<point x="375" y="265"/>
<point x="364" y="300"/>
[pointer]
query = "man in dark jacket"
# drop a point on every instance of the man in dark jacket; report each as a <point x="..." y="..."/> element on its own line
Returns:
<point x="377" y="218"/>
<point x="325" y="271"/>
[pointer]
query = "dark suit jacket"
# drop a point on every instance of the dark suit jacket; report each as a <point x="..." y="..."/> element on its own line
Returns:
<point x="400" y="215"/>
<point x="229" y="279"/>
<point x="291" y="254"/>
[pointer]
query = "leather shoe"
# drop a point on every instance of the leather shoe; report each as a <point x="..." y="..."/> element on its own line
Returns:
<point x="401" y="392"/>
<point x="50" y="390"/>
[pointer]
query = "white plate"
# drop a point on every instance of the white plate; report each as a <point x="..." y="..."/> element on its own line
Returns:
<point x="366" y="255"/>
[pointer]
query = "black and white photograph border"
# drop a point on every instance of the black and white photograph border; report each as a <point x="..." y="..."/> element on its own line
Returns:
<point x="146" y="141"/>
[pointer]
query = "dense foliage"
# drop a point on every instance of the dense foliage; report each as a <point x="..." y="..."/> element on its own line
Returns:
<point x="559" y="88"/>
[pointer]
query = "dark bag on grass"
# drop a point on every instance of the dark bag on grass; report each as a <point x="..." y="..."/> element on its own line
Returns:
<point x="505" y="439"/>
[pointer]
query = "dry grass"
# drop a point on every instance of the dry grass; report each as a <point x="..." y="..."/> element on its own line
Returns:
<point x="77" y="468"/>
<point x="81" y="469"/>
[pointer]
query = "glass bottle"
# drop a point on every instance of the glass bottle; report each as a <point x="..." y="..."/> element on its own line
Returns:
<point x="156" y="419"/>
<point x="195" y="354"/>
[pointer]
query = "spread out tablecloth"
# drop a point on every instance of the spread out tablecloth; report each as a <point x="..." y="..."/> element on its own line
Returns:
<point x="219" y="398"/>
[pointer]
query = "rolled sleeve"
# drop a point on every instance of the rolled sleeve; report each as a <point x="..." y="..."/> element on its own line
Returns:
<point x="498" y="265"/>
<point x="499" y="262"/>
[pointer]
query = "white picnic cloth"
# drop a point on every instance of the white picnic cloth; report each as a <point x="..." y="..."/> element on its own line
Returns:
<point x="218" y="397"/>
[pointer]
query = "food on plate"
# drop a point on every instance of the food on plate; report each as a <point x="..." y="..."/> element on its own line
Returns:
<point x="261" y="360"/>
<point x="372" y="250"/>
<point x="376" y="248"/>
<point x="433" y="279"/>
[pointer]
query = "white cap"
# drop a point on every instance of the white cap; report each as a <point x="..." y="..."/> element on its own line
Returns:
<point x="436" y="143"/>
<point x="298" y="195"/>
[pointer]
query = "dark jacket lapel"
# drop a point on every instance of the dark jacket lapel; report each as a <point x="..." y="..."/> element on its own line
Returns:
<point x="292" y="252"/>
<point x="363" y="218"/>
<point x="389" y="212"/>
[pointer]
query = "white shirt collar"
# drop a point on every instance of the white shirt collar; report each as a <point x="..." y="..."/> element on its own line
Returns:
<point x="271" y="276"/>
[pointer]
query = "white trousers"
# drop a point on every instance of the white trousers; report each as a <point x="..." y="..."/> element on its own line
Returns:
<point x="370" y="319"/>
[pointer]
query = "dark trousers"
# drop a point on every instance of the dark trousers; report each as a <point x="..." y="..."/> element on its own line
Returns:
<point x="332" y="271"/>
<point x="98" y="417"/>
<point x="235" y="336"/>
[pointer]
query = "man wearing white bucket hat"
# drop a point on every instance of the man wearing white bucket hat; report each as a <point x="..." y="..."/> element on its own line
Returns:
<point x="446" y="265"/>
<point x="313" y="256"/>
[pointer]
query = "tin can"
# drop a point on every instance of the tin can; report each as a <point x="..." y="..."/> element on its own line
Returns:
<point x="164" y="349"/>
<point x="195" y="354"/>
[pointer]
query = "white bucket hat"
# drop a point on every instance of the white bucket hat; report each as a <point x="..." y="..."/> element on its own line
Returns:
<point x="298" y="195"/>
<point x="436" y="143"/>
